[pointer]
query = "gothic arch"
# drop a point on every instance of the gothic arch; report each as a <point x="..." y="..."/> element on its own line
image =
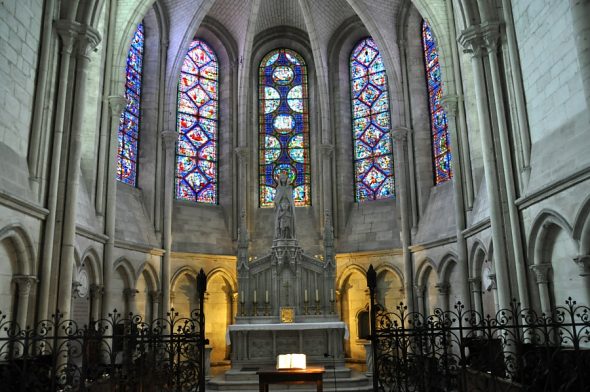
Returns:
<point x="23" y="245"/>
<point x="91" y="258"/>
<point x="447" y="263"/>
<point x="426" y="267"/>
<point x="345" y="274"/>
<point x="150" y="276"/>
<point x="581" y="229"/>
<point x="545" y="222"/>
<point x="125" y="268"/>
<point x="226" y="275"/>
<point x="393" y="269"/>
<point x="184" y="270"/>
<point x="477" y="256"/>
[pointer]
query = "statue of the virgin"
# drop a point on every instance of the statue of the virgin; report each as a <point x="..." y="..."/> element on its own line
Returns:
<point x="284" y="210"/>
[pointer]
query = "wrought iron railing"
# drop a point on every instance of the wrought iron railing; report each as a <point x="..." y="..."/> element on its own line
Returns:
<point x="120" y="352"/>
<point x="460" y="350"/>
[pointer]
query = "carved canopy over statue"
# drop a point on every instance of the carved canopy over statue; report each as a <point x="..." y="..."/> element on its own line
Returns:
<point x="284" y="210"/>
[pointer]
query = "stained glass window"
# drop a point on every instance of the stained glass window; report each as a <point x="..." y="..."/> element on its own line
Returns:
<point x="371" y="124"/>
<point x="198" y="107"/>
<point x="129" y="125"/>
<point x="441" y="153"/>
<point x="284" y="126"/>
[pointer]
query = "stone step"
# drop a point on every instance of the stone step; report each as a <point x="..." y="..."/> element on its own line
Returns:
<point x="250" y="373"/>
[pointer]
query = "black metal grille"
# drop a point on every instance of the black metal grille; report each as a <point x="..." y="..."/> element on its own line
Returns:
<point x="118" y="353"/>
<point x="459" y="350"/>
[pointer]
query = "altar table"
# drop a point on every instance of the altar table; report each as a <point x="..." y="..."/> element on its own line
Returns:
<point x="291" y="376"/>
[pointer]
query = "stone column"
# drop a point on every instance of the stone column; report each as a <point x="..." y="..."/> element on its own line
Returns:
<point x="472" y="40"/>
<point x="25" y="284"/>
<point x="419" y="289"/>
<point x="243" y="163"/>
<point x="169" y="138"/>
<point x="88" y="39"/>
<point x="130" y="295"/>
<point x="443" y="295"/>
<point x="450" y="104"/>
<point x="583" y="262"/>
<point x="116" y="105"/>
<point x="476" y="292"/>
<point x="580" y="11"/>
<point x="156" y="297"/>
<point x="494" y="287"/>
<point x="491" y="36"/>
<point x="326" y="188"/>
<point x="66" y="31"/>
<point x="400" y="135"/>
<point x="96" y="294"/>
<point x="541" y="277"/>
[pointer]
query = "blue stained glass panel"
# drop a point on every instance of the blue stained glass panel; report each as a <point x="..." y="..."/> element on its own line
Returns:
<point x="371" y="124"/>
<point x="441" y="153"/>
<point x="128" y="134"/>
<point x="284" y="126"/>
<point x="197" y="115"/>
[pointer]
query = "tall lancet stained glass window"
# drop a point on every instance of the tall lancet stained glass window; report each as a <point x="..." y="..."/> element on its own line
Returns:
<point x="198" y="108"/>
<point x="441" y="153"/>
<point x="129" y="125"/>
<point x="284" y="126"/>
<point x="371" y="124"/>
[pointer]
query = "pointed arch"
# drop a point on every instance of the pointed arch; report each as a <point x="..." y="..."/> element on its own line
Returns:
<point x="124" y="267"/>
<point x="447" y="263"/>
<point x="23" y="245"/>
<point x="581" y="229"/>
<point x="91" y="258"/>
<point x="426" y="267"/>
<point x="544" y="222"/>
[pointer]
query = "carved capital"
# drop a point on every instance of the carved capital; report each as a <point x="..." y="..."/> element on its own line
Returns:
<point x="88" y="40"/>
<point x="116" y="104"/>
<point x="169" y="138"/>
<point x="541" y="271"/>
<point x="491" y="35"/>
<point x="130" y="293"/>
<point x="443" y="288"/>
<point x="583" y="262"/>
<point x="156" y="296"/>
<point x="25" y="283"/>
<point x="327" y="150"/>
<point x="67" y="32"/>
<point x="475" y="284"/>
<point x="243" y="154"/>
<point x="419" y="289"/>
<point x="450" y="103"/>
<point x="472" y="41"/>
<point x="96" y="290"/>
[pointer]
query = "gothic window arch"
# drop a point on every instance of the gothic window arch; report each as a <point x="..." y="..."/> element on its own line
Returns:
<point x="128" y="134"/>
<point x="441" y="152"/>
<point x="197" y="125"/>
<point x="283" y="126"/>
<point x="371" y="124"/>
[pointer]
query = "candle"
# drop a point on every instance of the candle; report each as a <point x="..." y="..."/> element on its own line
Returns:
<point x="242" y="297"/>
<point x="305" y="293"/>
<point x="254" y="295"/>
<point x="331" y="295"/>
<point x="266" y="296"/>
<point x="317" y="295"/>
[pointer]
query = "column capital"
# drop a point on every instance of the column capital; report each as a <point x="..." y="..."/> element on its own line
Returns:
<point x="169" y="138"/>
<point x="419" y="289"/>
<point x="243" y="154"/>
<point x="67" y="32"/>
<point x="450" y="103"/>
<point x="130" y="293"/>
<point x="96" y="290"/>
<point x="88" y="40"/>
<point x="541" y="271"/>
<point x="472" y="41"/>
<point x="443" y="288"/>
<point x="491" y="34"/>
<point x="475" y="284"/>
<point x="116" y="104"/>
<point x="327" y="149"/>
<point x="400" y="134"/>
<point x="156" y="296"/>
<point x="583" y="262"/>
<point x="25" y="283"/>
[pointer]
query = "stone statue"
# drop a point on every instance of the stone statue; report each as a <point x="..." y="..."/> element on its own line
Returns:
<point x="284" y="210"/>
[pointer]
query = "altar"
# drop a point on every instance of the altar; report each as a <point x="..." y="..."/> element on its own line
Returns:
<point x="286" y="298"/>
<point x="259" y="344"/>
